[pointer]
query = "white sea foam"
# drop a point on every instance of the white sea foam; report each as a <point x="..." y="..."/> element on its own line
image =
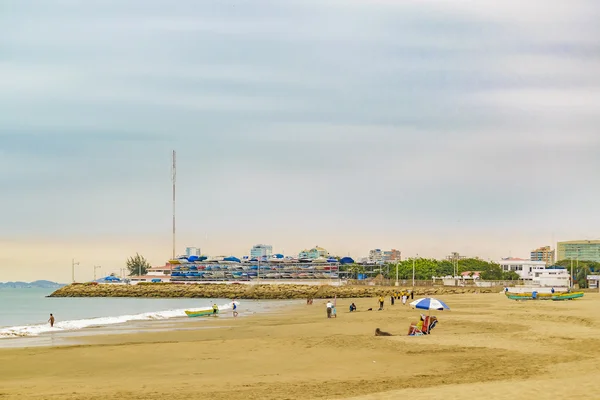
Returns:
<point x="73" y="325"/>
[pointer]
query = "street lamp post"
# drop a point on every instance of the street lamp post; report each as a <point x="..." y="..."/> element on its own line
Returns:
<point x="397" y="265"/>
<point x="73" y="264"/>
<point x="571" y="272"/>
<point x="95" y="268"/>
<point x="576" y="266"/>
<point x="413" y="285"/>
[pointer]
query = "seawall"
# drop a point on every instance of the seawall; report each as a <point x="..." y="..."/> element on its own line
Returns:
<point x="256" y="291"/>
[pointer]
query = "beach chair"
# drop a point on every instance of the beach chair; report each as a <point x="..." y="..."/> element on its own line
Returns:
<point x="431" y="323"/>
<point x="414" y="330"/>
<point x="428" y="324"/>
<point x="418" y="328"/>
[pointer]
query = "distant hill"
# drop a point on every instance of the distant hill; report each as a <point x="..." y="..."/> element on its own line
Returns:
<point x="35" y="284"/>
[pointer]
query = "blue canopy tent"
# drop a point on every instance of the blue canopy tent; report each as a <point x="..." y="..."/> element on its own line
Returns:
<point x="346" y="260"/>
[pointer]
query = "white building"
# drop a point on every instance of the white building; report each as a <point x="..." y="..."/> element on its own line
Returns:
<point x="552" y="278"/>
<point x="376" y="256"/>
<point x="261" y="250"/>
<point x="160" y="271"/>
<point x="192" y="251"/>
<point x="526" y="269"/>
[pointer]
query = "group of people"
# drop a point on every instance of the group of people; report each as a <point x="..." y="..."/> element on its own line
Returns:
<point x="402" y="295"/>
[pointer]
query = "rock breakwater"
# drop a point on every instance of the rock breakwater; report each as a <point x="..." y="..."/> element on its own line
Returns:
<point x="253" y="291"/>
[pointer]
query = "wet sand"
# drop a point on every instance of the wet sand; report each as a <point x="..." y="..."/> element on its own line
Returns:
<point x="486" y="346"/>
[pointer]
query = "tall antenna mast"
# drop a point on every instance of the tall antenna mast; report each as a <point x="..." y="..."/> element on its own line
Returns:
<point x="173" y="179"/>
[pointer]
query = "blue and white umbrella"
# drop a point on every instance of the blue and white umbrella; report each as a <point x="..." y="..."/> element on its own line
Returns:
<point x="429" y="303"/>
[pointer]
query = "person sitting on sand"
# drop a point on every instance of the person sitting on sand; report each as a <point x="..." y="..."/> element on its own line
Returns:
<point x="51" y="320"/>
<point x="352" y="307"/>
<point x="420" y="323"/>
<point x="379" y="332"/>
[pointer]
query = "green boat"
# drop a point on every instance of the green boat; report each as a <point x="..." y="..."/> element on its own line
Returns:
<point x="515" y="297"/>
<point x="555" y="297"/>
<point x="201" y="313"/>
<point x="567" y="296"/>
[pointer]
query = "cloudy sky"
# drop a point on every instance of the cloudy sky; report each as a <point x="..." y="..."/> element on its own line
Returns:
<point x="429" y="126"/>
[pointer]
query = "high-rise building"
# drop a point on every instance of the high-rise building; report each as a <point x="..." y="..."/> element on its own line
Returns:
<point x="584" y="250"/>
<point x="545" y="254"/>
<point x="376" y="256"/>
<point x="392" y="255"/>
<point x="379" y="256"/>
<point x="313" y="253"/>
<point x="192" y="251"/>
<point x="261" y="250"/>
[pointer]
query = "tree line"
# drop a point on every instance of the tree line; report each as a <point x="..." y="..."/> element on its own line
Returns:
<point x="426" y="268"/>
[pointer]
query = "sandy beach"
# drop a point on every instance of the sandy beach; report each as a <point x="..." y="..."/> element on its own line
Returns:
<point x="486" y="346"/>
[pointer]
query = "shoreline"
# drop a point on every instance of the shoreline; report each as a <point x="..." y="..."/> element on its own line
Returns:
<point x="71" y="332"/>
<point x="486" y="345"/>
<point x="254" y="291"/>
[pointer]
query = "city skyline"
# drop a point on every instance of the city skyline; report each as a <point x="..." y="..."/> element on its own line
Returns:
<point x="84" y="271"/>
<point x="428" y="126"/>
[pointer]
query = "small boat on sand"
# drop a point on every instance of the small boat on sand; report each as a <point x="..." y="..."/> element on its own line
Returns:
<point x="545" y="296"/>
<point x="200" y="313"/>
<point x="567" y="296"/>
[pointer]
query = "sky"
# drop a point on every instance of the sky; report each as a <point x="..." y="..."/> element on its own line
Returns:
<point x="428" y="126"/>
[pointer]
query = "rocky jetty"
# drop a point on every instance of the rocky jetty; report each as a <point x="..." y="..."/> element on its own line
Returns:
<point x="254" y="291"/>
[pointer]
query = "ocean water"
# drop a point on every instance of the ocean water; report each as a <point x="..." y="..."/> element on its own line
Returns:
<point x="25" y="312"/>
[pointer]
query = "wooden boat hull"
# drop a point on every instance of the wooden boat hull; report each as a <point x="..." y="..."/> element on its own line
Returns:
<point x="200" y="313"/>
<point x="567" y="296"/>
<point x="514" y="297"/>
<point x="530" y="294"/>
<point x="555" y="297"/>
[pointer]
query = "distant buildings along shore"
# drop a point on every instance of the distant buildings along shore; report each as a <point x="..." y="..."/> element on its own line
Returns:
<point x="583" y="250"/>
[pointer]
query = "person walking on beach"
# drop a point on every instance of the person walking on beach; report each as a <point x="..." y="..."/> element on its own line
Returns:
<point x="392" y="299"/>
<point x="381" y="302"/>
<point x="235" y="313"/>
<point x="412" y="295"/>
<point x="51" y="320"/>
<point x="404" y="297"/>
<point x="329" y="307"/>
<point x="333" y="312"/>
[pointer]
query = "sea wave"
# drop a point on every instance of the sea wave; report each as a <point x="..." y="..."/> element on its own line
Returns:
<point x="73" y="325"/>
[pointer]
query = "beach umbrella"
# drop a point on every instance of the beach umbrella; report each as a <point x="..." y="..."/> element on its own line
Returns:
<point x="429" y="303"/>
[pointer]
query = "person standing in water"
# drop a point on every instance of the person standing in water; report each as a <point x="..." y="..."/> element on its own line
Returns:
<point x="215" y="309"/>
<point x="51" y="320"/>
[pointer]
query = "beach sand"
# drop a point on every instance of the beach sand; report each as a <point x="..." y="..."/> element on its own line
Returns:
<point x="487" y="346"/>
